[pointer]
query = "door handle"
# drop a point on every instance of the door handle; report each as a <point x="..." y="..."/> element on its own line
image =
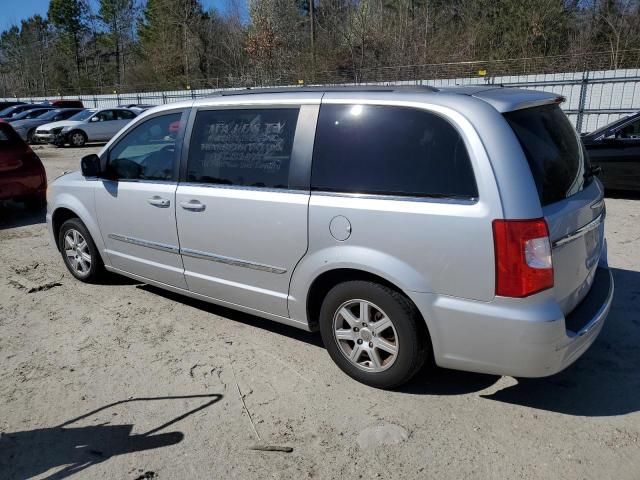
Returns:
<point x="193" y="205"/>
<point x="158" y="202"/>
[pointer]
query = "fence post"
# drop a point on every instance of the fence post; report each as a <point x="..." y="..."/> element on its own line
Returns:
<point x="582" y="100"/>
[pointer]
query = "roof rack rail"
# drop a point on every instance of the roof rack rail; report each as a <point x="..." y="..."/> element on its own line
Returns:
<point x="329" y="88"/>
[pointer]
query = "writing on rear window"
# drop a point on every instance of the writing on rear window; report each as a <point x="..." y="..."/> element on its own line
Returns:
<point x="243" y="147"/>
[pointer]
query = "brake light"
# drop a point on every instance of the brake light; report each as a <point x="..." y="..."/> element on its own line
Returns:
<point x="523" y="257"/>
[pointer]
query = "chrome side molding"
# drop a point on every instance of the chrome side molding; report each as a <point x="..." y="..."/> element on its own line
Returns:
<point x="198" y="254"/>
<point x="144" y="243"/>
<point x="231" y="261"/>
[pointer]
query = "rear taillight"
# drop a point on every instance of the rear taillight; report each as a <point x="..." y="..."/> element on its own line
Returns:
<point x="523" y="257"/>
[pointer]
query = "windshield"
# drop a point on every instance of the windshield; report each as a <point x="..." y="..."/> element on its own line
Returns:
<point x="49" y="115"/>
<point x="553" y="149"/>
<point x="29" y="114"/>
<point x="83" y="115"/>
<point x="7" y="110"/>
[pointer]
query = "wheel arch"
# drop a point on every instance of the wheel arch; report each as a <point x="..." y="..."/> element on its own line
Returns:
<point x="68" y="206"/>
<point x="325" y="281"/>
<point x="58" y="217"/>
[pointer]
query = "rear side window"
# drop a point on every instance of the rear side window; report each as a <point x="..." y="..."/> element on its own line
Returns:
<point x="242" y="147"/>
<point x="554" y="151"/>
<point x="124" y="115"/>
<point x="8" y="136"/>
<point x="390" y="151"/>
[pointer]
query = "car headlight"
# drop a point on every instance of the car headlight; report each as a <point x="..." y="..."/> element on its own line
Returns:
<point x="56" y="130"/>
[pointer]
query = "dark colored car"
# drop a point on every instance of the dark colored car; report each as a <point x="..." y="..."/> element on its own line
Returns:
<point x="66" y="103"/>
<point x="22" y="175"/>
<point x="616" y="149"/>
<point x="28" y="114"/>
<point x="8" y="104"/>
<point x="16" y="109"/>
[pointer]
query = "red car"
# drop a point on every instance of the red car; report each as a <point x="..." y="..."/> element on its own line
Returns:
<point x="22" y="175"/>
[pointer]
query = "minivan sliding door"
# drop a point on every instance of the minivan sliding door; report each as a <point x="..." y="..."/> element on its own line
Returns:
<point x="242" y="203"/>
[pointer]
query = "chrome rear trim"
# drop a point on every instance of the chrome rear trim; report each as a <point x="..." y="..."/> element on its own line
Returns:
<point x="231" y="261"/>
<point x="592" y="225"/>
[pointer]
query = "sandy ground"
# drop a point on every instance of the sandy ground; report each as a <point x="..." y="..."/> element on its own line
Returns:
<point x="125" y="381"/>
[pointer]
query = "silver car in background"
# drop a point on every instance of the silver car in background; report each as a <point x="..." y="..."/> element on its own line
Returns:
<point x="26" y="127"/>
<point x="459" y="224"/>
<point x="90" y="125"/>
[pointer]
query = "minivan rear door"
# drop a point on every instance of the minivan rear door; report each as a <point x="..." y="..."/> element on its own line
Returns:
<point x="571" y="199"/>
<point x="242" y="202"/>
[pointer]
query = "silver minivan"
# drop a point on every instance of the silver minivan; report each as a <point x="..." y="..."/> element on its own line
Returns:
<point x="406" y="224"/>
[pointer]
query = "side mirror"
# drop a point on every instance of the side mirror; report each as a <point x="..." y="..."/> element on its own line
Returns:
<point x="94" y="119"/>
<point x="90" y="165"/>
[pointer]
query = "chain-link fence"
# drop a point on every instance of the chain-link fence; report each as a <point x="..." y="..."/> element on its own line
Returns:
<point x="596" y="93"/>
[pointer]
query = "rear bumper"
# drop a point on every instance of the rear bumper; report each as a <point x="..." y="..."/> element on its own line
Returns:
<point x="530" y="338"/>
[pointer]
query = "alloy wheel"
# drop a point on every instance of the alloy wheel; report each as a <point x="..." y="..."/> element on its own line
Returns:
<point x="365" y="335"/>
<point x="77" y="251"/>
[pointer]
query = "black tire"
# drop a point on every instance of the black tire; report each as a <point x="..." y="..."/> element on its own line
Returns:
<point x="77" y="138"/>
<point x="413" y="344"/>
<point x="95" y="270"/>
<point x="30" y="134"/>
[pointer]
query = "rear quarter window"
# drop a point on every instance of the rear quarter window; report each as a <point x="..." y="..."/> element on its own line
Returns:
<point x="553" y="149"/>
<point x="386" y="150"/>
<point x="8" y="137"/>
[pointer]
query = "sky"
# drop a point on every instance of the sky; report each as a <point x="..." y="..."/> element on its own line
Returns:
<point x="12" y="11"/>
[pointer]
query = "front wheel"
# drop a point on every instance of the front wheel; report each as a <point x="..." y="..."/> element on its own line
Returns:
<point x="79" y="253"/>
<point x="77" y="138"/>
<point x="373" y="333"/>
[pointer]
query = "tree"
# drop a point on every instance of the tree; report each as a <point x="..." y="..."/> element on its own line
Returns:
<point x="168" y="35"/>
<point x="69" y="16"/>
<point x="118" y="17"/>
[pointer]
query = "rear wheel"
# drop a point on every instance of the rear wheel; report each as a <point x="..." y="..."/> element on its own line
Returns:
<point x="77" y="138"/>
<point x="79" y="253"/>
<point x="373" y="333"/>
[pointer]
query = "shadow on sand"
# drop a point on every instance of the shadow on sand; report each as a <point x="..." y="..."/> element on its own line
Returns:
<point x="33" y="452"/>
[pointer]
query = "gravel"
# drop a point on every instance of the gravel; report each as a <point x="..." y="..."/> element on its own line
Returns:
<point x="126" y="381"/>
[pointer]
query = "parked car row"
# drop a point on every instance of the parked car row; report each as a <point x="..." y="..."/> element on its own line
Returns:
<point x="67" y="122"/>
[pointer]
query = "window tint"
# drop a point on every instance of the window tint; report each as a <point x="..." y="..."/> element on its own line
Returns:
<point x="242" y="147"/>
<point x="389" y="150"/>
<point x="554" y="151"/>
<point x="631" y="131"/>
<point x="147" y="152"/>
<point x="7" y="136"/>
<point x="124" y="115"/>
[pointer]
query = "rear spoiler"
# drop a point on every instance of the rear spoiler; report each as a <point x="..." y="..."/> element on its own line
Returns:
<point x="510" y="99"/>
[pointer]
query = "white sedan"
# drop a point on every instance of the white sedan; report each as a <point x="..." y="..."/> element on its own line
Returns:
<point x="91" y="125"/>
